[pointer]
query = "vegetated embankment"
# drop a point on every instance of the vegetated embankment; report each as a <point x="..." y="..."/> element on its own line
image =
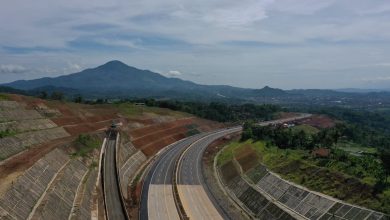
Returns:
<point x="265" y="195"/>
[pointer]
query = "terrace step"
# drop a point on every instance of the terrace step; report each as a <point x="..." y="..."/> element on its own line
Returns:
<point x="22" y="196"/>
<point x="58" y="202"/>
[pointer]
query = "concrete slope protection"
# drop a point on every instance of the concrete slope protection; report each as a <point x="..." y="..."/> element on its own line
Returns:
<point x="112" y="198"/>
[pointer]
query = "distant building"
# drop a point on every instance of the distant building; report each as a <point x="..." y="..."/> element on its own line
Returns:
<point x="286" y="125"/>
<point x="320" y="152"/>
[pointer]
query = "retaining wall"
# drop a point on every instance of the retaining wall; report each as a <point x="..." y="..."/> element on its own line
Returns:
<point x="85" y="207"/>
<point x="15" y="144"/>
<point x="27" y="125"/>
<point x="18" y="114"/>
<point x="58" y="202"/>
<point x="125" y="151"/>
<point x="18" y="201"/>
<point x="130" y="160"/>
<point x="130" y="168"/>
<point x="10" y="105"/>
<point x="265" y="195"/>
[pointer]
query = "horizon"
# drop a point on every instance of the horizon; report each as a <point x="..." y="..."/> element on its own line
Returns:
<point x="265" y="86"/>
<point x="295" y="44"/>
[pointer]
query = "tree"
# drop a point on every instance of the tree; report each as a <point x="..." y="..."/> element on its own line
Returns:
<point x="78" y="99"/>
<point x="42" y="95"/>
<point x="99" y="101"/>
<point x="57" y="96"/>
<point x="385" y="157"/>
<point x="247" y="134"/>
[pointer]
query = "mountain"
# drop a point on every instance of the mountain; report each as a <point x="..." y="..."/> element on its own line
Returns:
<point x="113" y="74"/>
<point x="270" y="92"/>
<point x="116" y="79"/>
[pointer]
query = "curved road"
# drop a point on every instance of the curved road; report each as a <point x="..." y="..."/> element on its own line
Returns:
<point x="157" y="201"/>
<point x="197" y="200"/>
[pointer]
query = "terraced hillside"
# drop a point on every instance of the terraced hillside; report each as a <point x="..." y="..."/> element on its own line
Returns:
<point x="140" y="143"/>
<point x="23" y="128"/>
<point x="265" y="195"/>
<point x="49" y="153"/>
<point x="150" y="139"/>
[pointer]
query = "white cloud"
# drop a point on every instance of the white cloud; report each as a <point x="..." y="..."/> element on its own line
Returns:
<point x="382" y="64"/>
<point x="173" y="73"/>
<point x="376" y="79"/>
<point x="325" y="35"/>
<point x="243" y="13"/>
<point x="305" y="7"/>
<point x="12" y="68"/>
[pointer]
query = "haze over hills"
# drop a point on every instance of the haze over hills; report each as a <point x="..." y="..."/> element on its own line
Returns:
<point x="118" y="80"/>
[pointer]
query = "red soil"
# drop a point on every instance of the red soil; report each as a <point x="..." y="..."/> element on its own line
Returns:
<point x="27" y="158"/>
<point x="154" y="147"/>
<point x="288" y="115"/>
<point x="229" y="171"/>
<point x="159" y="134"/>
<point x="318" y="121"/>
<point x="247" y="158"/>
<point x="137" y="133"/>
<point x="153" y="138"/>
<point x="87" y="127"/>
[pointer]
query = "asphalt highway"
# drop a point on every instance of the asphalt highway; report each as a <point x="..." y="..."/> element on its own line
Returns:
<point x="112" y="197"/>
<point x="157" y="200"/>
<point x="197" y="200"/>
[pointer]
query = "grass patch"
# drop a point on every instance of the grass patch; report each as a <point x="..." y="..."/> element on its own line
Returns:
<point x="352" y="180"/>
<point x="132" y="110"/>
<point x="7" y="133"/>
<point x="305" y="128"/>
<point x="192" y="132"/>
<point x="166" y="112"/>
<point x="129" y="109"/>
<point x="3" y="97"/>
<point x="94" y="165"/>
<point x="356" y="148"/>
<point x="226" y="154"/>
<point x="85" y="144"/>
<point x="136" y="179"/>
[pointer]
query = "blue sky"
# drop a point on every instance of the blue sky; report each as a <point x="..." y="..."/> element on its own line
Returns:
<point x="248" y="43"/>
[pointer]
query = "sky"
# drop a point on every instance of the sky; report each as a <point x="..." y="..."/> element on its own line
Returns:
<point x="248" y="43"/>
